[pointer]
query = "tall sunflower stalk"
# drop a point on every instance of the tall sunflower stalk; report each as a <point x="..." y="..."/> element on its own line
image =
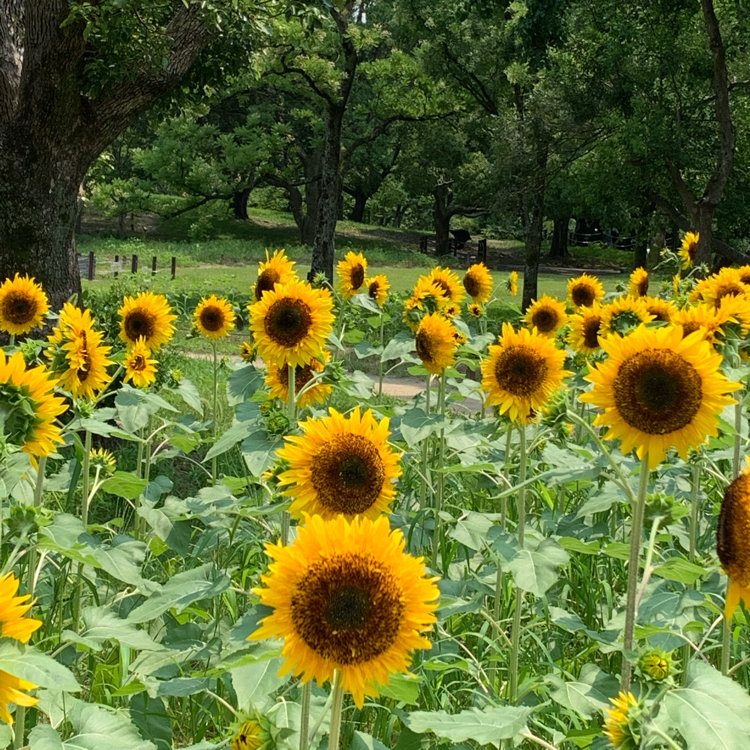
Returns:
<point x="440" y="488"/>
<point x="425" y="447"/>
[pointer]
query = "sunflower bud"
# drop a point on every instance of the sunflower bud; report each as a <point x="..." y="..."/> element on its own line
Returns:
<point x="656" y="664"/>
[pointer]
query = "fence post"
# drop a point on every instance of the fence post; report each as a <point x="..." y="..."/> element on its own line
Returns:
<point x="92" y="266"/>
<point x="134" y="264"/>
<point x="174" y="267"/>
<point x="423" y="245"/>
<point x="117" y="265"/>
<point x="153" y="266"/>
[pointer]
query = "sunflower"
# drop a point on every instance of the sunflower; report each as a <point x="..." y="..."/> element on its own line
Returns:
<point x="23" y="305"/>
<point x="253" y="734"/>
<point x="660" y="309"/>
<point x="585" y="328"/>
<point x="451" y="310"/>
<point x="12" y="611"/>
<point x="724" y="283"/>
<point x="734" y="309"/>
<point x="547" y="315"/>
<point x="478" y="282"/>
<point x="291" y="323"/>
<point x="513" y="283"/>
<point x="584" y="291"/>
<point x="87" y="364"/>
<point x="689" y="248"/>
<point x="377" y="288"/>
<point x="743" y="274"/>
<point x="435" y="343"/>
<point x="475" y="310"/>
<point x="28" y="407"/>
<point x="698" y="318"/>
<point x="620" y="726"/>
<point x="345" y="596"/>
<point x="657" y="664"/>
<point x="102" y="459"/>
<point x="277" y="380"/>
<point x="340" y="465"/>
<point x="658" y="389"/>
<point x="638" y="283"/>
<point x="11" y="688"/>
<point x="214" y="317"/>
<point x="427" y="297"/>
<point x="623" y="315"/>
<point x="448" y="282"/>
<point x="274" y="270"/>
<point x="521" y="372"/>
<point x="139" y="367"/>
<point x="733" y="541"/>
<point x="146" y="316"/>
<point x="247" y="351"/>
<point x="352" y="272"/>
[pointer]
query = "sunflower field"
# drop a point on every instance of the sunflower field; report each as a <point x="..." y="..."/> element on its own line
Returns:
<point x="548" y="546"/>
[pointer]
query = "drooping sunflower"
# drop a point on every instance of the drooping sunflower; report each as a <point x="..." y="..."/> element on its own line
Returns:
<point x="146" y="316"/>
<point x="585" y="329"/>
<point x="638" y="283"/>
<point x="478" y="283"/>
<point x="275" y="270"/>
<point x="352" y="271"/>
<point x="547" y="315"/>
<point x="663" y="310"/>
<point x="377" y="288"/>
<point x="139" y="367"/>
<point x="623" y="315"/>
<point x="426" y="297"/>
<point x="658" y="390"/>
<point x="11" y="691"/>
<point x="513" y="283"/>
<point x="28" y="406"/>
<point x="102" y="459"/>
<point x="620" y="725"/>
<point x="291" y="323"/>
<point x="585" y="291"/>
<point x="733" y="541"/>
<point x="345" y="596"/>
<point x="689" y="248"/>
<point x="522" y="371"/>
<point x="214" y="317"/>
<point x="277" y="380"/>
<point x="23" y="305"/>
<point x="448" y="282"/>
<point x="88" y="361"/>
<point x="435" y="343"/>
<point x="12" y="610"/>
<point x="340" y="465"/>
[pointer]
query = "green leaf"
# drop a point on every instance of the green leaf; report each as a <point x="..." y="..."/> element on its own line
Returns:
<point x="416" y="426"/>
<point x="403" y="688"/>
<point x="190" y="395"/>
<point x="151" y="717"/>
<point x="536" y="570"/>
<point x="362" y="741"/>
<point x="680" y="570"/>
<point x="259" y="452"/>
<point x="101" y="625"/>
<point x="235" y="434"/>
<point x="135" y="407"/>
<point x="256" y="682"/>
<point x="586" y="696"/>
<point x="713" y="711"/>
<point x="31" y="665"/>
<point x="44" y="737"/>
<point x="485" y="727"/>
<point x="124" y="484"/>
<point x="97" y="727"/>
<point x="401" y="346"/>
<point x="243" y="383"/>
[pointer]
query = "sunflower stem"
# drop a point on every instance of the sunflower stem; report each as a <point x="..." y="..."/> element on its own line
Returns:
<point x="291" y="406"/>
<point x="515" y="633"/>
<point x="737" y="438"/>
<point x="636" y="531"/>
<point x="694" y="497"/>
<point x="146" y="475"/>
<point x="214" y="415"/>
<point x="425" y="447"/>
<point x="726" y="645"/>
<point x="84" y="521"/>
<point x="337" y="691"/>
<point x="304" y="724"/>
<point x="20" y="728"/>
<point x="380" y="361"/>
<point x="440" y="476"/>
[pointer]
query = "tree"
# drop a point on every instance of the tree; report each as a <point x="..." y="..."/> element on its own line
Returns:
<point x="73" y="76"/>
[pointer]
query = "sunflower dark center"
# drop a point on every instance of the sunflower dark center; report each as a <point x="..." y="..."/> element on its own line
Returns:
<point x="18" y="414"/>
<point x="659" y="314"/>
<point x="212" y="318"/>
<point x="266" y="282"/>
<point x="471" y="285"/>
<point x="583" y="295"/>
<point x="138" y="363"/>
<point x="373" y="289"/>
<point x="591" y="328"/>
<point x="424" y="346"/>
<point x="348" y="474"/>
<point x="445" y="287"/>
<point x="288" y="321"/>
<point x="689" y="327"/>
<point x="732" y="531"/>
<point x="348" y="608"/>
<point x="19" y="308"/>
<point x="521" y="371"/>
<point x="545" y="320"/>
<point x="729" y="290"/>
<point x="657" y="391"/>
<point x="641" y="286"/>
<point x="139" y="323"/>
<point x="357" y="276"/>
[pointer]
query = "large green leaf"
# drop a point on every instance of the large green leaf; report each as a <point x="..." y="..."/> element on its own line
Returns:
<point x="485" y="727"/>
<point x="243" y="383"/>
<point x="101" y="625"/>
<point x="135" y="407"/>
<point x="152" y="719"/>
<point x="124" y="484"/>
<point x="587" y="695"/>
<point x="31" y="665"/>
<point x="535" y="567"/>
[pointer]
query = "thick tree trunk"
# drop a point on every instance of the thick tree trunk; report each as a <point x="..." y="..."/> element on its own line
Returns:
<point x="559" y="246"/>
<point x="442" y="222"/>
<point x="537" y="184"/>
<point x="239" y="203"/>
<point x="703" y="221"/>
<point x="360" y="204"/>
<point x="328" y="199"/>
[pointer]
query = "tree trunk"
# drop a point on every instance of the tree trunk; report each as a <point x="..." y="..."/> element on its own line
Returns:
<point x="360" y="203"/>
<point x="559" y="246"/>
<point x="328" y="198"/>
<point x="537" y="181"/>
<point x="442" y="221"/>
<point x="239" y="203"/>
<point x="703" y="221"/>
